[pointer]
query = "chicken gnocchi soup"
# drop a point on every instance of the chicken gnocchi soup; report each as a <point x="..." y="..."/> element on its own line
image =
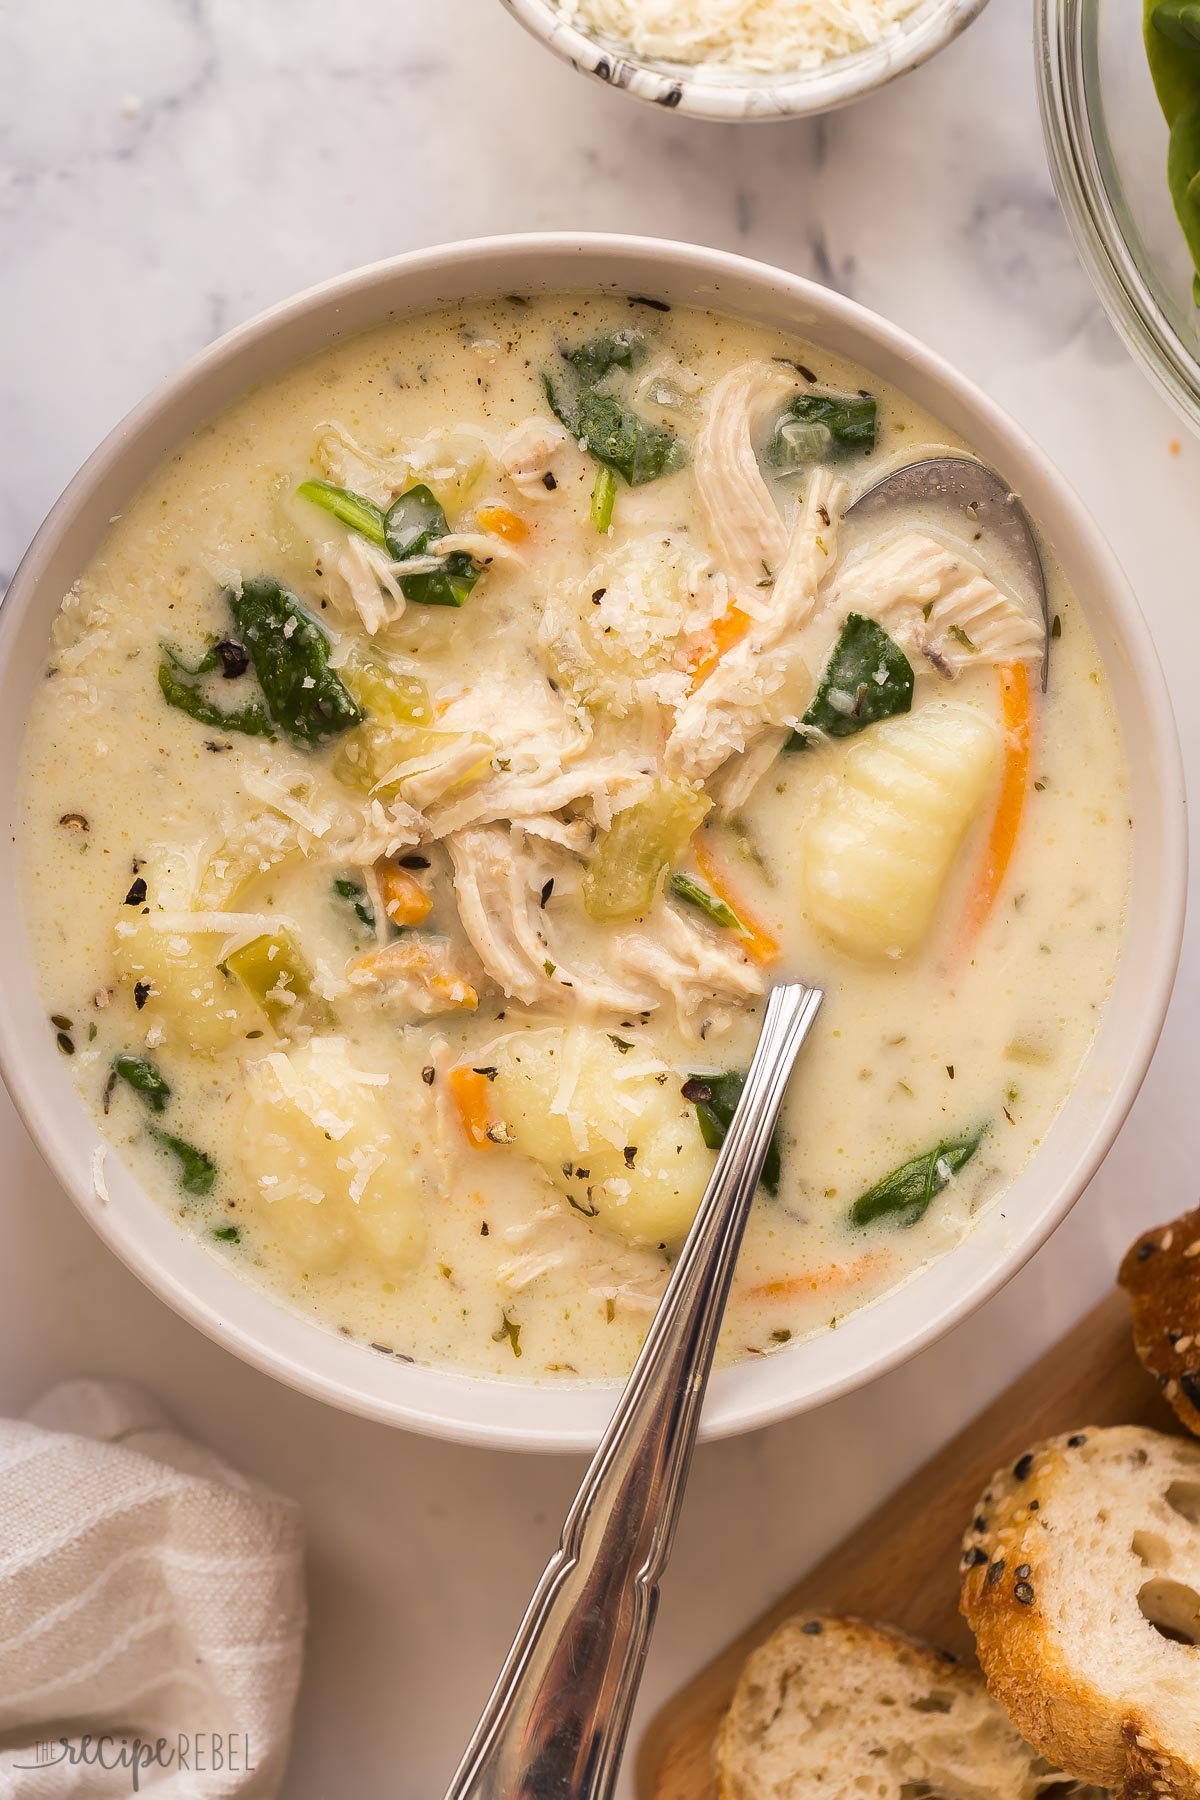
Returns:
<point x="447" y="749"/>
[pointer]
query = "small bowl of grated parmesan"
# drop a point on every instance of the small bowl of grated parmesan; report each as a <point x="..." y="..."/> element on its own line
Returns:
<point x="745" y="59"/>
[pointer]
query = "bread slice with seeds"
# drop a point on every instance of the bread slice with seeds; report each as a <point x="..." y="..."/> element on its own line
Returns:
<point x="1161" y="1275"/>
<point x="841" y="1710"/>
<point x="1081" y="1582"/>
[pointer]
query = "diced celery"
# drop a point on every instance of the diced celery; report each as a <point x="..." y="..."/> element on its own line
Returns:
<point x="643" y="842"/>
<point x="391" y="696"/>
<point x="272" y="966"/>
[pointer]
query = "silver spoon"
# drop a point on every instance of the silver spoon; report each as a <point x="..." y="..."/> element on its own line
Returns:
<point x="556" y="1723"/>
<point x="974" y="501"/>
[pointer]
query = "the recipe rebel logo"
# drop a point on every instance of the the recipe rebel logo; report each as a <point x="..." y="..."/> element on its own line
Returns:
<point x="196" y="1753"/>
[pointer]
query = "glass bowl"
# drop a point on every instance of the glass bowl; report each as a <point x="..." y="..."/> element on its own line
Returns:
<point x="1107" y="143"/>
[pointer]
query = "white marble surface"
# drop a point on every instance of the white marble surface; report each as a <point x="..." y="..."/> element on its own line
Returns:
<point x="169" y="166"/>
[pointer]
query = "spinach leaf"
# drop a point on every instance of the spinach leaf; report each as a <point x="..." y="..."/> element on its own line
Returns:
<point x="251" y="719"/>
<point x="904" y="1195"/>
<point x="823" y="427"/>
<point x="614" y="350"/>
<point x="360" y="515"/>
<point x="686" y="887"/>
<point x="1178" y="20"/>
<point x="867" y="678"/>
<point x="144" y="1079"/>
<point x="1171" y="30"/>
<point x="197" y="1172"/>
<point x="614" y="435"/>
<point x="349" y="890"/>
<point x="412" y="527"/>
<point x="290" y="653"/>
<point x="715" y="1098"/>
<point x="205" y="666"/>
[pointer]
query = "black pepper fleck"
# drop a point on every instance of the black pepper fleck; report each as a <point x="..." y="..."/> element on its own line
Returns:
<point x="233" y="659"/>
<point x="141" y="993"/>
<point x="137" y="893"/>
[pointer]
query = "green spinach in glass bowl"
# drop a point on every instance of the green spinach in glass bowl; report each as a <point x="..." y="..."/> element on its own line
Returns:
<point x="1108" y="142"/>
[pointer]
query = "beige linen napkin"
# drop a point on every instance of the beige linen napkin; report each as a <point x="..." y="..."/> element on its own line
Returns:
<point x="150" y="1597"/>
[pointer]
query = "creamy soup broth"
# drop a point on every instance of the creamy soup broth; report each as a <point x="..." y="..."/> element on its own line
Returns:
<point x="539" y="854"/>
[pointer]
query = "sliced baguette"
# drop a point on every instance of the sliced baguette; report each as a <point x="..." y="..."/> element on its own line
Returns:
<point x="1075" y="1550"/>
<point x="843" y="1710"/>
<point x="1161" y="1275"/>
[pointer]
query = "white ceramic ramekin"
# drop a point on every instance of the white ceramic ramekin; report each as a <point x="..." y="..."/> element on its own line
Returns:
<point x="711" y="92"/>
<point x="510" y="1414"/>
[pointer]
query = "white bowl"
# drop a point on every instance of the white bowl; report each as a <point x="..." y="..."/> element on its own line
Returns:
<point x="513" y="1415"/>
<point x="711" y="92"/>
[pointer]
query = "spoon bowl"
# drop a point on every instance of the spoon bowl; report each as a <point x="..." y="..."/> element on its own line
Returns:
<point x="975" y="503"/>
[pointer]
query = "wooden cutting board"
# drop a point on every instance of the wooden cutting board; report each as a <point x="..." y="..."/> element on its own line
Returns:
<point x="901" y="1566"/>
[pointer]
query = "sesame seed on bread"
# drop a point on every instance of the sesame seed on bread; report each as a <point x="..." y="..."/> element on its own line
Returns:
<point x="837" y="1709"/>
<point x="1081" y="1582"/>
<point x="1161" y="1275"/>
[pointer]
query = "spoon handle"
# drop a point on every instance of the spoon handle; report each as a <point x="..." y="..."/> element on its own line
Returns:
<point x="555" y="1725"/>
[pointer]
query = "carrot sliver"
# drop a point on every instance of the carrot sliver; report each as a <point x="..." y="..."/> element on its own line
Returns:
<point x="721" y="636"/>
<point x="1016" y="712"/>
<point x="503" y="523"/>
<point x="814" y="1281"/>
<point x="469" y="1092"/>
<point x="756" y="939"/>
<point x="405" y="901"/>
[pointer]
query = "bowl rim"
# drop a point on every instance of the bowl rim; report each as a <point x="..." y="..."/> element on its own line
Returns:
<point x="1075" y="169"/>
<point x="310" y="1356"/>
<point x="737" y="95"/>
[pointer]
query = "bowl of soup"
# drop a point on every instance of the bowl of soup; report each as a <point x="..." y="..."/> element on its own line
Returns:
<point x="433" y="721"/>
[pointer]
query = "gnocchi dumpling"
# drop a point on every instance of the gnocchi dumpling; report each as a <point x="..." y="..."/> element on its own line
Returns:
<point x="179" y="988"/>
<point x="621" y="623"/>
<point x="324" y="1162"/>
<point x="613" y="1136"/>
<point x="881" y="841"/>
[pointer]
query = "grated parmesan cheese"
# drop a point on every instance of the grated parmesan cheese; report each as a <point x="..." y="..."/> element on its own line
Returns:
<point x="769" y="37"/>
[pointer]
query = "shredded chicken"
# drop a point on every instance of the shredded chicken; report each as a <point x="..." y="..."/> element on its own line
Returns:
<point x="594" y="780"/>
<point x="416" y="973"/>
<point x="448" y="761"/>
<point x="744" y="520"/>
<point x="326" y="822"/>
<point x="346" y="462"/>
<point x="763" y="679"/>
<point x="482" y="545"/>
<point x="370" y="578"/>
<point x="733" y="785"/>
<point x="527" y="455"/>
<point x="498" y="885"/>
<point x="693" y="966"/>
<point x="935" y="602"/>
